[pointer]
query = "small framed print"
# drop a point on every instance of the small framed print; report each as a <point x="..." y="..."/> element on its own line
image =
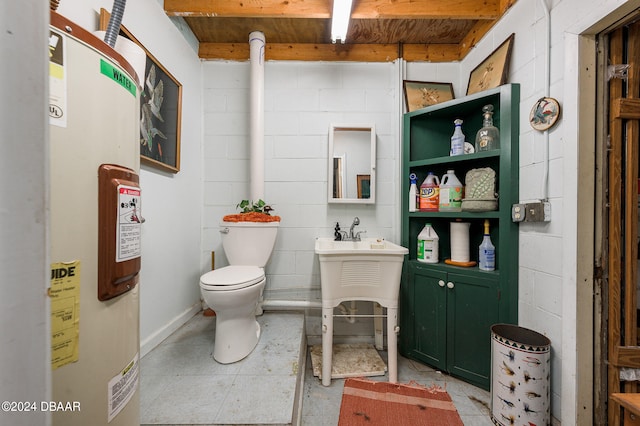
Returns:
<point x="421" y="94"/>
<point x="492" y="72"/>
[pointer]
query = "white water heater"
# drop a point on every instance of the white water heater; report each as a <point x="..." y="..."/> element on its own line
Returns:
<point x="95" y="224"/>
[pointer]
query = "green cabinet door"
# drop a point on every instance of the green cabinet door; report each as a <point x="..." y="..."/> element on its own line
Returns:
<point x="472" y="308"/>
<point x="448" y="325"/>
<point x="430" y="316"/>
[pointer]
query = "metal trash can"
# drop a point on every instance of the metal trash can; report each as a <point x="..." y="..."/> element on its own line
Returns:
<point x="520" y="373"/>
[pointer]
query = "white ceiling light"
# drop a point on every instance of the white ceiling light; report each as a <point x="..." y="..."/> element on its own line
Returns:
<point x="340" y="20"/>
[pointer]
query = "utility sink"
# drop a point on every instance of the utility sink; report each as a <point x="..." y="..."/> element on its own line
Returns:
<point x="368" y="270"/>
<point x="365" y="246"/>
<point x="360" y="270"/>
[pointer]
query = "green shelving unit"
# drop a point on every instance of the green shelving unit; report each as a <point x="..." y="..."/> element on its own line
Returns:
<point x="446" y="311"/>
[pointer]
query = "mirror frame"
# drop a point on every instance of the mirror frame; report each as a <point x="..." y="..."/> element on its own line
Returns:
<point x="333" y="128"/>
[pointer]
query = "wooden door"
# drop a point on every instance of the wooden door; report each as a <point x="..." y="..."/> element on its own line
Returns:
<point x="622" y="268"/>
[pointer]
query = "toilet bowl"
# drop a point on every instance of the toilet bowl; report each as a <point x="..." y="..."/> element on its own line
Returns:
<point x="234" y="291"/>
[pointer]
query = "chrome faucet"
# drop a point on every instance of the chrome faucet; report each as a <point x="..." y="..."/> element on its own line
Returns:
<point x="356" y="236"/>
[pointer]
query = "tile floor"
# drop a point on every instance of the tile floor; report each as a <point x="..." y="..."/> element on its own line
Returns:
<point x="181" y="383"/>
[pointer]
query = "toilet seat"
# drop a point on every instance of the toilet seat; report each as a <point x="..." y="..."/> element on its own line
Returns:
<point x="233" y="277"/>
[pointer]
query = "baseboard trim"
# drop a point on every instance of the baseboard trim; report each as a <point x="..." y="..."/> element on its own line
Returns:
<point x="156" y="338"/>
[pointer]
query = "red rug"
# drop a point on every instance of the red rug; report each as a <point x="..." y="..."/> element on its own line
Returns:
<point x="367" y="402"/>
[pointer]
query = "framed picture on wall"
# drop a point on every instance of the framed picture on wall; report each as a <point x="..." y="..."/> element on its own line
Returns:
<point x="420" y="94"/>
<point x="364" y="186"/>
<point x="160" y="110"/>
<point x="492" y="72"/>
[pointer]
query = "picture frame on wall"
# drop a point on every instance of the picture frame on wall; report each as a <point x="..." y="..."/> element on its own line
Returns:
<point x="492" y="72"/>
<point x="421" y="94"/>
<point x="160" y="109"/>
<point x="364" y="186"/>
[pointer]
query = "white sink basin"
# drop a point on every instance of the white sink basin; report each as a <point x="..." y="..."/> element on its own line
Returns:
<point x="360" y="270"/>
<point x="367" y="245"/>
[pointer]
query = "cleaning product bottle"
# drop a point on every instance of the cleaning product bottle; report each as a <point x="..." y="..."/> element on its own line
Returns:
<point x="413" y="192"/>
<point x="428" y="242"/>
<point x="457" y="139"/>
<point x="487" y="251"/>
<point x="450" y="193"/>
<point x="488" y="137"/>
<point x="429" y="193"/>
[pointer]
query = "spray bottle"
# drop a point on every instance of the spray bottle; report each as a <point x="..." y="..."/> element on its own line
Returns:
<point x="487" y="251"/>
<point x="413" y="192"/>
<point x="457" y="139"/>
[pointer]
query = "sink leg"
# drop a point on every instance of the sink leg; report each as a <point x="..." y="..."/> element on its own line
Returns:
<point x="327" y="345"/>
<point x="392" y="342"/>
<point x="377" y="325"/>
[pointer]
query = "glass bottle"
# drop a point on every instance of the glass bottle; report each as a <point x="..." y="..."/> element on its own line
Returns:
<point x="488" y="137"/>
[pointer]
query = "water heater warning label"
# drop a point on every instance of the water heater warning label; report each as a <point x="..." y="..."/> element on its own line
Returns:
<point x="122" y="387"/>
<point x="129" y="223"/>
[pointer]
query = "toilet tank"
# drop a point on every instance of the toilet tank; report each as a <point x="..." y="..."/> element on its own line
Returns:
<point x="248" y="243"/>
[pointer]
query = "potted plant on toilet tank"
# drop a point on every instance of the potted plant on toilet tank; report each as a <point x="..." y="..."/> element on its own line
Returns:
<point x="251" y="211"/>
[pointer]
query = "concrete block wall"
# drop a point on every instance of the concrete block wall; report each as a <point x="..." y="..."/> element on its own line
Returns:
<point x="302" y="99"/>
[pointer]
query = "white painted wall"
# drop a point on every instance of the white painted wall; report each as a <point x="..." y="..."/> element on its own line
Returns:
<point x="302" y="99"/>
<point x="24" y="307"/>
<point x="169" y="292"/>
<point x="554" y="256"/>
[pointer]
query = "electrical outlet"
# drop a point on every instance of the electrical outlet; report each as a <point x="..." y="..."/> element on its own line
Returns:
<point x="531" y="212"/>
<point x="517" y="212"/>
<point x="537" y="212"/>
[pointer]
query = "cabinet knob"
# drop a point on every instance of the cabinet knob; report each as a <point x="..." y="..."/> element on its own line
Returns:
<point x="450" y="284"/>
<point x="441" y="283"/>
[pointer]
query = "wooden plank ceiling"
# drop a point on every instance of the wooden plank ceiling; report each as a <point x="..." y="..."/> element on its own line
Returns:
<point x="379" y="31"/>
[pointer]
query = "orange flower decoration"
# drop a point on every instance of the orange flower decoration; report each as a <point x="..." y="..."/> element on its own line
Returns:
<point x="251" y="217"/>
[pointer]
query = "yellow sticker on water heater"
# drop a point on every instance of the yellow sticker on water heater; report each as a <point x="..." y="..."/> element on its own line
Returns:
<point x="65" y="312"/>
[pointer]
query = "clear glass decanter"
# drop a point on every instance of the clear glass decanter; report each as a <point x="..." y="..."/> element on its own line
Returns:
<point x="488" y="137"/>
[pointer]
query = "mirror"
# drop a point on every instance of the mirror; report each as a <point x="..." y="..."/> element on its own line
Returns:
<point x="352" y="164"/>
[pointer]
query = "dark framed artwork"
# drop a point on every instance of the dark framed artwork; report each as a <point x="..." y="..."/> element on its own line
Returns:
<point x="364" y="186"/>
<point x="492" y="72"/>
<point x="160" y="110"/>
<point x="420" y="94"/>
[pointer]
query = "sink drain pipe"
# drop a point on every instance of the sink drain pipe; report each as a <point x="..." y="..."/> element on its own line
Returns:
<point x="286" y="305"/>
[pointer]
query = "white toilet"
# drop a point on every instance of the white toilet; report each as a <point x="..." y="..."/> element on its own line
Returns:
<point x="233" y="291"/>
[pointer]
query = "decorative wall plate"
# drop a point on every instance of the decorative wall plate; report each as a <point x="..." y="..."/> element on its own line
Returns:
<point x="468" y="148"/>
<point x="544" y="114"/>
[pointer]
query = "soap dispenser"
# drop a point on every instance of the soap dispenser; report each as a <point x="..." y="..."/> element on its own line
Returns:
<point x="488" y="137"/>
<point x="337" y="234"/>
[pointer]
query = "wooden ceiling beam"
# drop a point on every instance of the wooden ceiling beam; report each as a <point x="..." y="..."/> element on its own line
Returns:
<point x="426" y="9"/>
<point x="332" y="52"/>
<point x="321" y="9"/>
<point x="474" y="36"/>
<point x="431" y="52"/>
<point x="249" y="9"/>
<point x="302" y="52"/>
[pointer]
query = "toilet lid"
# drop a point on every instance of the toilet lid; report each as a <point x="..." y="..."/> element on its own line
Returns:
<point x="232" y="277"/>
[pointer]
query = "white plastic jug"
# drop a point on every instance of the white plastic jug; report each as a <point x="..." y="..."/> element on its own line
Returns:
<point x="450" y="193"/>
<point x="428" y="245"/>
<point x="429" y="193"/>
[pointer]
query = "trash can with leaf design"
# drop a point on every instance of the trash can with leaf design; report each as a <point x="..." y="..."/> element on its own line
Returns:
<point x="520" y="373"/>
